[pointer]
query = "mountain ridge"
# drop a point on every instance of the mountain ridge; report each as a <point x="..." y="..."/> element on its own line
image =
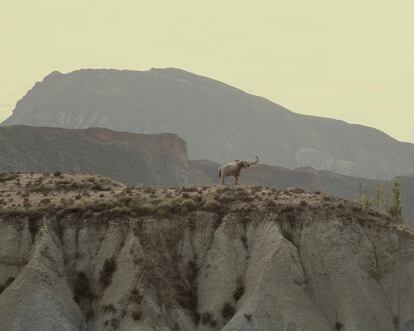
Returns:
<point x="193" y="106"/>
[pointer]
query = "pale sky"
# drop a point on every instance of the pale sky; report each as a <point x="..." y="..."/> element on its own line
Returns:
<point x="351" y="60"/>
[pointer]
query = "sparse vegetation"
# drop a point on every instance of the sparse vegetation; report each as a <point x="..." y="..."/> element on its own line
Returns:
<point x="188" y="205"/>
<point x="238" y="291"/>
<point x="135" y="297"/>
<point x="243" y="239"/>
<point x="107" y="271"/>
<point x="207" y="318"/>
<point x="4" y="177"/>
<point x="338" y="326"/>
<point x="227" y="311"/>
<point x="33" y="225"/>
<point x="396" y="321"/>
<point x="109" y="308"/>
<point x="136" y="315"/>
<point x="6" y="284"/>
<point x="395" y="211"/>
<point x="248" y="317"/>
<point x="211" y="205"/>
<point x="45" y="201"/>
<point x="115" y="323"/>
<point x="165" y="207"/>
<point x="83" y="294"/>
<point x="82" y="289"/>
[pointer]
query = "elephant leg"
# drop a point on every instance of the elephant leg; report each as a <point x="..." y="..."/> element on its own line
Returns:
<point x="236" y="180"/>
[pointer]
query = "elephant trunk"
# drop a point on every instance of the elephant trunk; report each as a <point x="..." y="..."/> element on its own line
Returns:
<point x="254" y="162"/>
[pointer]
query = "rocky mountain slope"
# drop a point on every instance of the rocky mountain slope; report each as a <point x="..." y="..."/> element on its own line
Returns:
<point x="134" y="159"/>
<point x="219" y="122"/>
<point x="79" y="252"/>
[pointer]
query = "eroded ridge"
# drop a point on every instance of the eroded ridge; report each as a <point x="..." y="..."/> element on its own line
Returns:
<point x="87" y="253"/>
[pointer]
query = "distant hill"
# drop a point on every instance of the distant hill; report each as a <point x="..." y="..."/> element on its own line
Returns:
<point x="160" y="160"/>
<point x="219" y="122"/>
<point x="134" y="159"/>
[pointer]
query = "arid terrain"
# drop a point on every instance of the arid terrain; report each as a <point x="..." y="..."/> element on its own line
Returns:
<point x="161" y="160"/>
<point x="82" y="252"/>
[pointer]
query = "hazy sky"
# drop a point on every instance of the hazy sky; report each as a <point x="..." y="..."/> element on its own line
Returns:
<point x="350" y="60"/>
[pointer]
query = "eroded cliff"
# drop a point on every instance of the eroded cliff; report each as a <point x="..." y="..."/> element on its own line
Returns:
<point x="79" y="252"/>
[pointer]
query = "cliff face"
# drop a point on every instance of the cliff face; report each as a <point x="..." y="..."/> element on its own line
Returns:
<point x="219" y="122"/>
<point x="85" y="253"/>
<point x="134" y="159"/>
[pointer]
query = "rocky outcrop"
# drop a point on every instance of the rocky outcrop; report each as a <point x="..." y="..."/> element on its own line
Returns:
<point x="219" y="122"/>
<point x="198" y="259"/>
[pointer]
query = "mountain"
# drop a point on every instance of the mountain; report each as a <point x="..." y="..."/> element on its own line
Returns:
<point x="219" y="122"/>
<point x="162" y="160"/>
<point x="135" y="159"/>
<point x="74" y="258"/>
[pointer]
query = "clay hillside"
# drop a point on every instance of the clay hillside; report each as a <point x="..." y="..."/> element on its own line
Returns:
<point x="81" y="252"/>
<point x="219" y="122"/>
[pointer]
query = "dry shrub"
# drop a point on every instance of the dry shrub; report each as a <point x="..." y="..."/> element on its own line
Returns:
<point x="107" y="271"/>
<point x="227" y="311"/>
<point x="188" y="205"/>
<point x="211" y="205"/>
